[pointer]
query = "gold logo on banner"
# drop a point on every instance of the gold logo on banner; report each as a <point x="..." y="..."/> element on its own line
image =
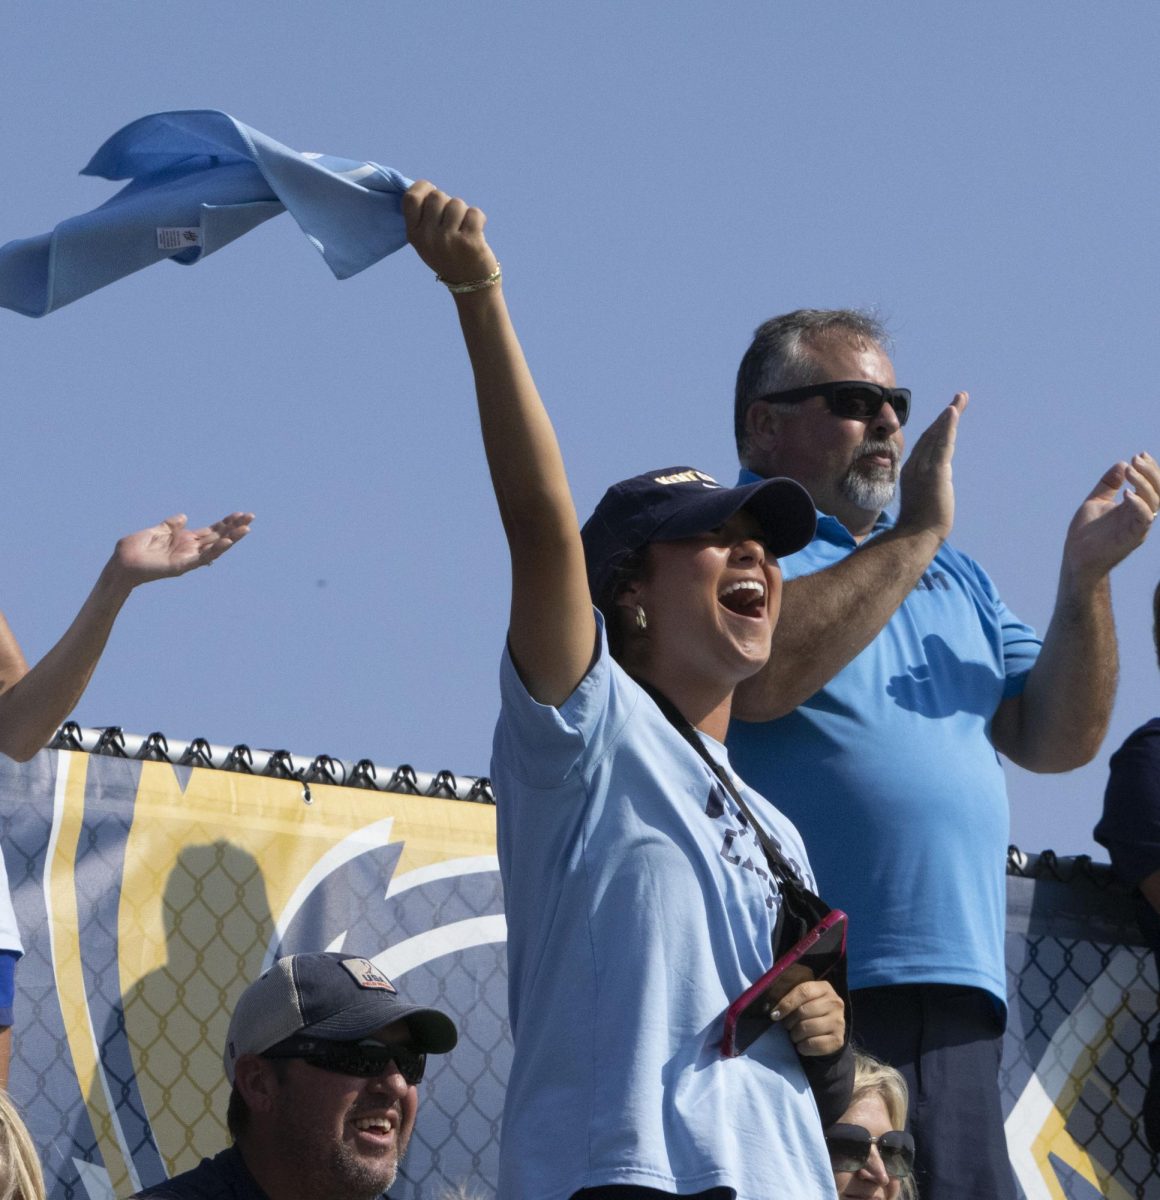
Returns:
<point x="217" y="867"/>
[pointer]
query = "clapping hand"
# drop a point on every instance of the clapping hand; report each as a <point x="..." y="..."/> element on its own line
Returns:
<point x="1105" y="530"/>
<point x="926" y="490"/>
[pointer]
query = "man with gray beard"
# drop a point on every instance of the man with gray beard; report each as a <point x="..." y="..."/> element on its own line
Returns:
<point x="896" y="674"/>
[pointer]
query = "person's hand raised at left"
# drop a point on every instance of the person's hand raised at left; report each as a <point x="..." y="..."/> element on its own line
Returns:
<point x="814" y="1017"/>
<point x="1105" y="531"/>
<point x="169" y="548"/>
<point x="447" y="234"/>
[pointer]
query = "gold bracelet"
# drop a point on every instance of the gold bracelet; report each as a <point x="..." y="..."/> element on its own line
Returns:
<point x="461" y="289"/>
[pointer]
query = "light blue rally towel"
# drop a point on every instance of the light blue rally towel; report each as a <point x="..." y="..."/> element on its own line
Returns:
<point x="199" y="179"/>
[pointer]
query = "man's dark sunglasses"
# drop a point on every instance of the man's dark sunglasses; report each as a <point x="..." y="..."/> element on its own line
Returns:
<point x="366" y="1059"/>
<point x="849" y="1147"/>
<point x="850" y="398"/>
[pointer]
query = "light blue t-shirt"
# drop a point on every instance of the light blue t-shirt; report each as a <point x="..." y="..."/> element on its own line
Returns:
<point x="638" y="907"/>
<point x="890" y="775"/>
<point x="199" y="179"/>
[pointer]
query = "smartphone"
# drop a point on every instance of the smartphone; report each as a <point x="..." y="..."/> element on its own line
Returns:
<point x="747" y="1018"/>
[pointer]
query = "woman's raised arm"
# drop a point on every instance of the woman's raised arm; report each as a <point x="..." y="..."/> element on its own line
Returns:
<point x="552" y="630"/>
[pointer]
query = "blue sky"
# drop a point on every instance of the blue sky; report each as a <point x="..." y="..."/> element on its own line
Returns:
<point x="660" y="177"/>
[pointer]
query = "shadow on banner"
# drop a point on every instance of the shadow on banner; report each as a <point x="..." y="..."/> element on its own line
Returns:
<point x="149" y="894"/>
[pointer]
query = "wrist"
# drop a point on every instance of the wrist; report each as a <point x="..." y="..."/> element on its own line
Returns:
<point x="480" y="284"/>
<point x="114" y="583"/>
<point x="1079" y="585"/>
<point x="929" y="537"/>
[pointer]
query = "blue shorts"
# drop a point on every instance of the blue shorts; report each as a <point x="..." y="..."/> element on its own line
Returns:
<point x="7" y="985"/>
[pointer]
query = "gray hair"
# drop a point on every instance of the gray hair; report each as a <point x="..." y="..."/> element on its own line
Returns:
<point x="779" y="356"/>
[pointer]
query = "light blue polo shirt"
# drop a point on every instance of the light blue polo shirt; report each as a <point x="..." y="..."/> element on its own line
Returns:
<point x="638" y="907"/>
<point x="890" y="776"/>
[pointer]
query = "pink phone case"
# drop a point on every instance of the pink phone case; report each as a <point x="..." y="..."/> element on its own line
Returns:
<point x="825" y="944"/>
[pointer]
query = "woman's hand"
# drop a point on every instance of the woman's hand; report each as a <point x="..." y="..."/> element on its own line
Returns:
<point x="814" y="1017"/>
<point x="168" y="549"/>
<point x="447" y="234"/>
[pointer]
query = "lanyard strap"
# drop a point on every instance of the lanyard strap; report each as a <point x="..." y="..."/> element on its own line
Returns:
<point x="778" y="863"/>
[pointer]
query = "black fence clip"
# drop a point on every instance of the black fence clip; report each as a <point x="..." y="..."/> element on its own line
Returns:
<point x="68" y="737"/>
<point x="111" y="742"/>
<point x="404" y="781"/>
<point x="197" y="754"/>
<point x="363" y="774"/>
<point x="154" y="748"/>
<point x="239" y="759"/>
<point x="444" y="786"/>
<point x="481" y="791"/>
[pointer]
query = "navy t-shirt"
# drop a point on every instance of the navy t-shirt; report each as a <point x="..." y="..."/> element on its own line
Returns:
<point x="223" y="1177"/>
<point x="1130" y="826"/>
<point x="1130" y="829"/>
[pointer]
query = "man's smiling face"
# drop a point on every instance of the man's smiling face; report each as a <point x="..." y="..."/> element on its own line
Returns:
<point x="344" y="1134"/>
<point x="849" y="466"/>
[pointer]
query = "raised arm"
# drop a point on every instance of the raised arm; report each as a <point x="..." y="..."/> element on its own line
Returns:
<point x="552" y="630"/>
<point x="33" y="702"/>
<point x="1059" y="720"/>
<point x="830" y="617"/>
<point x="13" y="666"/>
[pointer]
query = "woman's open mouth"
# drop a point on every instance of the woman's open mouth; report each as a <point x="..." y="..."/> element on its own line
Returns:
<point x="745" y="598"/>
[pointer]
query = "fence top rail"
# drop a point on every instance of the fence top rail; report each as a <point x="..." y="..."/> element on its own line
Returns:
<point x="277" y="764"/>
<point x="1073" y="868"/>
<point x="112" y="740"/>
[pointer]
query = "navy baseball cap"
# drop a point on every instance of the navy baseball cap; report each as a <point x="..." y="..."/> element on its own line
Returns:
<point x="337" y="997"/>
<point x="680" y="502"/>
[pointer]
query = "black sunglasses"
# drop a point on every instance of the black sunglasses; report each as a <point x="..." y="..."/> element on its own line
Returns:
<point x="849" y="1147"/>
<point x="366" y="1059"/>
<point x="850" y="398"/>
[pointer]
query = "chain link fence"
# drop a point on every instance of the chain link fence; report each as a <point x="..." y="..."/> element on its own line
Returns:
<point x="150" y="892"/>
<point x="1082" y="1010"/>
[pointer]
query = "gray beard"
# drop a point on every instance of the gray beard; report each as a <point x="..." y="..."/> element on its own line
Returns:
<point x="872" y="493"/>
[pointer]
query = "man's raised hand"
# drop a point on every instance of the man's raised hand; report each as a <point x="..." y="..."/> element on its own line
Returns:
<point x="927" y="496"/>
<point x="1105" y="530"/>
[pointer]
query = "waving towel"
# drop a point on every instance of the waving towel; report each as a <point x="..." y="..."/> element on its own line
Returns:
<point x="199" y="179"/>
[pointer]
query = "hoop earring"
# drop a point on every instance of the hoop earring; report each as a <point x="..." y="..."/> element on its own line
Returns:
<point x="641" y="619"/>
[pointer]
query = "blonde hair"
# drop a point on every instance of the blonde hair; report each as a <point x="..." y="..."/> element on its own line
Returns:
<point x="874" y="1078"/>
<point x="20" y="1175"/>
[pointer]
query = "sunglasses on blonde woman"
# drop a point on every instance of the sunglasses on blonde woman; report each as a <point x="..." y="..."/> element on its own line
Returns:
<point x="849" y="1147"/>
